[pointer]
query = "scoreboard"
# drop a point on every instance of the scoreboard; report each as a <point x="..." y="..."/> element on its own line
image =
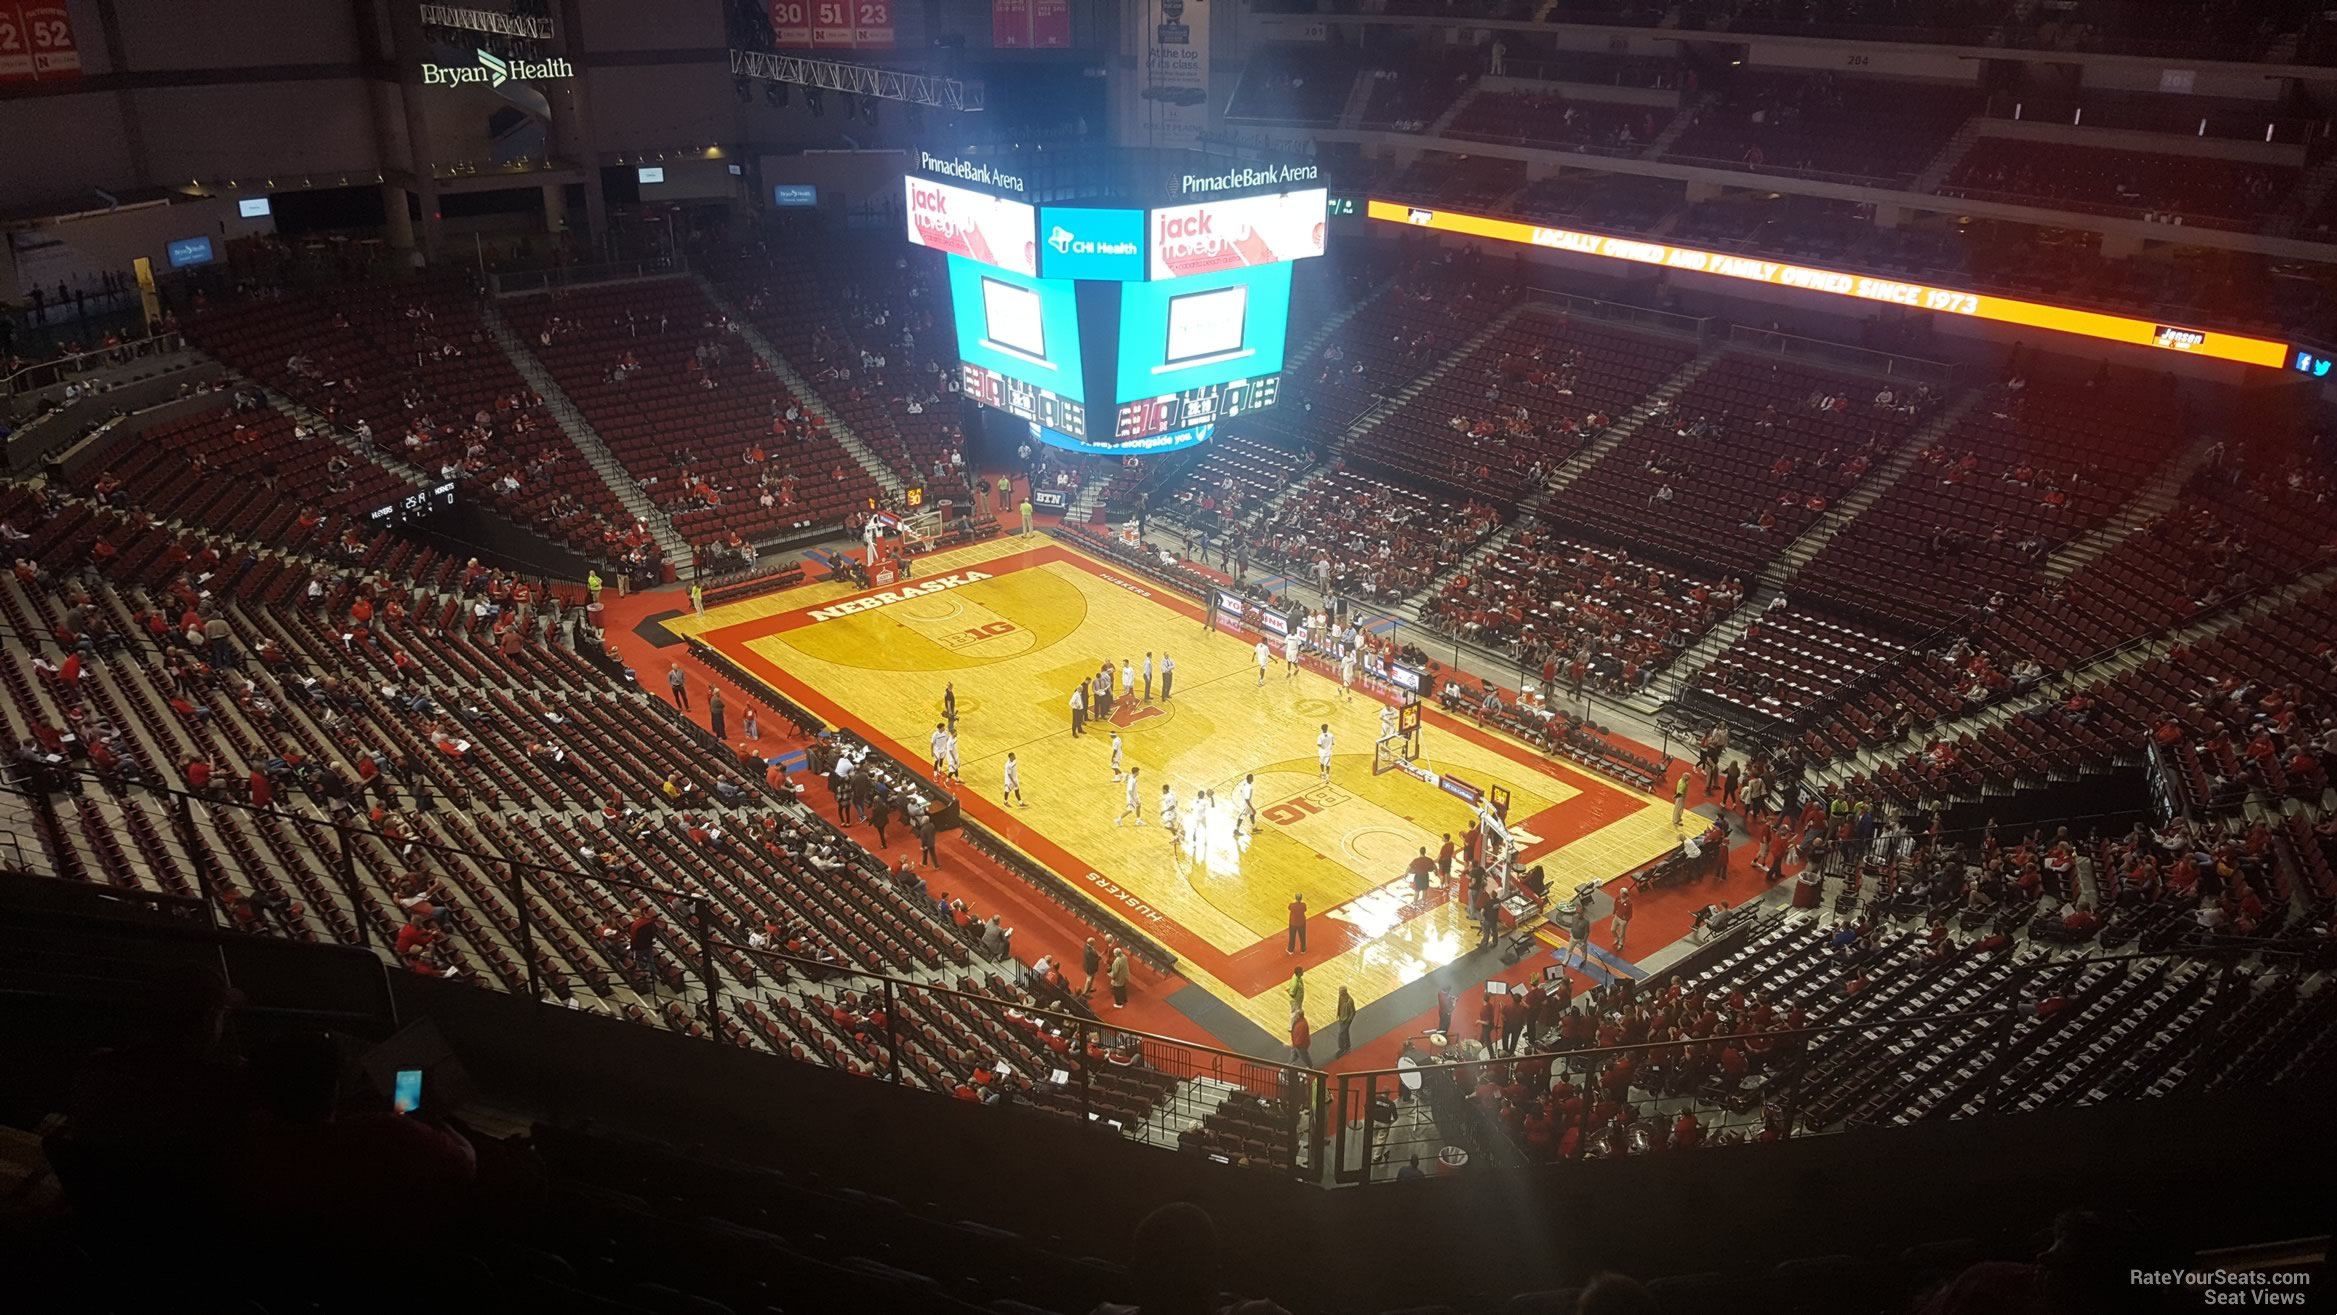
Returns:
<point x="1195" y="406"/>
<point x="1161" y="321"/>
<point x="1019" y="397"/>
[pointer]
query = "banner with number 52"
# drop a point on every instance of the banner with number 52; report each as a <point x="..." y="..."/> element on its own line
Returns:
<point x="36" y="42"/>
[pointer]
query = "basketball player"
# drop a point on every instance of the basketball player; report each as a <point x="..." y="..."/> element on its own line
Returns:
<point x="1265" y="658"/>
<point x="1135" y="806"/>
<point x="1347" y="674"/>
<point x="1244" y="810"/>
<point x="1012" y="784"/>
<point x="1323" y="751"/>
<point x="951" y="751"/>
<point x="1387" y="720"/>
<point x="1290" y="643"/>
<point x="940" y="749"/>
<point x="1168" y="817"/>
<point x="1202" y="800"/>
<point x="1127" y="681"/>
<point x="1115" y="755"/>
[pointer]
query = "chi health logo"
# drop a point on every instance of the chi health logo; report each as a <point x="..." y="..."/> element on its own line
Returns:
<point x="494" y="71"/>
<point x="1067" y="243"/>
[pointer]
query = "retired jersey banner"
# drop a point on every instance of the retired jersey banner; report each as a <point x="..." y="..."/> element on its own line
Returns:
<point x="790" y="24"/>
<point x="851" y="24"/>
<point x="36" y="42"/>
<point x="1050" y="24"/>
<point x="1010" y="24"/>
<point x="1030" y="24"/>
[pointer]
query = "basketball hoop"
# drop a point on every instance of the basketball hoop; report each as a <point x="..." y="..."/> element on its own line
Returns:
<point x="920" y="530"/>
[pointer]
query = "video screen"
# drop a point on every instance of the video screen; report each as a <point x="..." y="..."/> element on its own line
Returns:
<point x="1205" y="327"/>
<point x="1224" y="327"/>
<point x="1012" y="321"/>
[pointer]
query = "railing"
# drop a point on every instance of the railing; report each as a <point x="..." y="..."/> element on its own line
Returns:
<point x="1695" y="328"/>
<point x="293" y="875"/>
<point x="1142" y="1086"/>
<point x="2138" y="210"/>
<point x="1628" y="152"/>
<point x="1894" y="180"/>
<point x="1426" y="1113"/>
<point x="2225" y="123"/>
<point x="63" y="369"/>
<point x="1940" y="374"/>
<point x="520" y="283"/>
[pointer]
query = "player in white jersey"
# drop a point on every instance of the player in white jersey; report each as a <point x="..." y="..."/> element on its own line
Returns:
<point x="1012" y="784"/>
<point x="1323" y="750"/>
<point x="1115" y="755"/>
<point x="951" y="753"/>
<point x="1135" y="806"/>
<point x="940" y="749"/>
<point x="1127" y="681"/>
<point x="1290" y="645"/>
<point x="1202" y="802"/>
<point x="1243" y="809"/>
<point x="1387" y="720"/>
<point x="1168" y="817"/>
<point x="1265" y="658"/>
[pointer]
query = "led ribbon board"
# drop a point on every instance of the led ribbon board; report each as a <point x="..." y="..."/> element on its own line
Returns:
<point x="1865" y="287"/>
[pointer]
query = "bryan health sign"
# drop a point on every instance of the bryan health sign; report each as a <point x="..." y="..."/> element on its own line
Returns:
<point x="495" y="70"/>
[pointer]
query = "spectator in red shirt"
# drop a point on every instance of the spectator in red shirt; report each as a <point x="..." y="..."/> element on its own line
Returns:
<point x="417" y="935"/>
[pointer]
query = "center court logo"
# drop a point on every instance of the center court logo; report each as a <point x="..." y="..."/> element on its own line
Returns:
<point x="494" y="70"/>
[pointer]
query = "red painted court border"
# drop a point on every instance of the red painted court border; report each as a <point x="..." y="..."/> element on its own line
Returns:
<point x="1596" y="803"/>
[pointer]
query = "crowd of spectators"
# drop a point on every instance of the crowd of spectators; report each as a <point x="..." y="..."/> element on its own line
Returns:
<point x="1579" y="613"/>
<point x="1368" y="539"/>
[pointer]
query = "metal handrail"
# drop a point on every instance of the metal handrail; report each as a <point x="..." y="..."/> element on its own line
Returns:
<point x="1857" y="358"/>
<point x="56" y="368"/>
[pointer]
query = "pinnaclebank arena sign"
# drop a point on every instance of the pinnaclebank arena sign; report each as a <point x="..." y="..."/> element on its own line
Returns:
<point x="495" y="70"/>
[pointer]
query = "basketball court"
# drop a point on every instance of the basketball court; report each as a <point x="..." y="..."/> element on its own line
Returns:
<point x="1017" y="623"/>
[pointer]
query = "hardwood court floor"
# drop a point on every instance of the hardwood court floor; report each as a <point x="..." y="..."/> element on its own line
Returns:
<point x="1019" y="622"/>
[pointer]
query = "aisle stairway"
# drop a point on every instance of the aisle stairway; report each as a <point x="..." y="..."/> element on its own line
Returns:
<point x="670" y="543"/>
<point x="885" y="476"/>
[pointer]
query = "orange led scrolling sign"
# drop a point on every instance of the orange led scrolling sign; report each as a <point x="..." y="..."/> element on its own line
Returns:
<point x="2003" y="310"/>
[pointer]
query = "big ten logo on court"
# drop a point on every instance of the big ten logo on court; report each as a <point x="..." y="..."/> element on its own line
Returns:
<point x="973" y="635"/>
<point x="1299" y="807"/>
